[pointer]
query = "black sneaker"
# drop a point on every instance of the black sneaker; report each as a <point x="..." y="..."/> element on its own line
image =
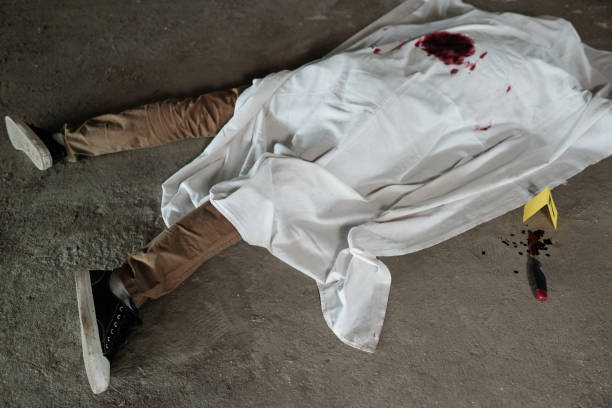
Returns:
<point x="114" y="320"/>
<point x="37" y="144"/>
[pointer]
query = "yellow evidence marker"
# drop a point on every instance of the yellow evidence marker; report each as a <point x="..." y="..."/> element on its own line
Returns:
<point x="544" y="198"/>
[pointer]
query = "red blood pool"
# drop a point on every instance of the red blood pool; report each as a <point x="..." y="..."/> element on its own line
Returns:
<point x="484" y="54"/>
<point x="509" y="88"/>
<point x="376" y="50"/>
<point x="454" y="71"/>
<point x="450" y="48"/>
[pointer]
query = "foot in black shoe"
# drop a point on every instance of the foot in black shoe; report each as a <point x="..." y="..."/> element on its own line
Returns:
<point x="36" y="143"/>
<point x="105" y="324"/>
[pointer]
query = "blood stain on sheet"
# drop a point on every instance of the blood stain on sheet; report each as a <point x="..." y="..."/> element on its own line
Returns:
<point x="482" y="128"/>
<point x="400" y="45"/>
<point x="509" y="88"/>
<point x="470" y="65"/>
<point x="450" y="48"/>
<point x="484" y="54"/>
<point x="376" y="50"/>
<point x="454" y="71"/>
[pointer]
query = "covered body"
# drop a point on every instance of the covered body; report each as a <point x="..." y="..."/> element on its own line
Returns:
<point x="388" y="146"/>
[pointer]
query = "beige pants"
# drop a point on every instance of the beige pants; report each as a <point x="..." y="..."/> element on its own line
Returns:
<point x="177" y="252"/>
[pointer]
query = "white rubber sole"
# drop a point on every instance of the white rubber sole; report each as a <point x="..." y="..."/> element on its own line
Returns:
<point x="97" y="366"/>
<point x="23" y="138"/>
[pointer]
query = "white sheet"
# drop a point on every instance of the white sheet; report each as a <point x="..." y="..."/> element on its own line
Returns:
<point x="364" y="154"/>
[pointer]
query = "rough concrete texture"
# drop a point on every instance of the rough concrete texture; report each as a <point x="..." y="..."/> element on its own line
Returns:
<point x="462" y="330"/>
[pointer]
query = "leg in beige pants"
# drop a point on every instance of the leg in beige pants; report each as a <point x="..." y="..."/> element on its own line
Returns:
<point x="151" y="125"/>
<point x="172" y="256"/>
<point x="177" y="252"/>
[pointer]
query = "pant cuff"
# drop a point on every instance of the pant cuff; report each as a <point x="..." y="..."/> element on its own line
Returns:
<point x="126" y="275"/>
<point x="70" y="155"/>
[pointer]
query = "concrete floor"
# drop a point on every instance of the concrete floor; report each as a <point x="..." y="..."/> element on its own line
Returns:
<point x="462" y="330"/>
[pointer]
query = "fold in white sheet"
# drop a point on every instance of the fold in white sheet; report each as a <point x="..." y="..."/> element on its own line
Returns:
<point x="364" y="154"/>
